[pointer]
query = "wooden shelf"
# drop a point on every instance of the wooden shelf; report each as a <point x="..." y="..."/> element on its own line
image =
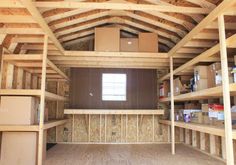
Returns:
<point x="203" y="94"/>
<point x="19" y="128"/>
<point x="31" y="92"/>
<point x="213" y="130"/>
<point x="32" y="128"/>
<point x="54" y="123"/>
<point x="115" y="111"/>
<point x="33" y="64"/>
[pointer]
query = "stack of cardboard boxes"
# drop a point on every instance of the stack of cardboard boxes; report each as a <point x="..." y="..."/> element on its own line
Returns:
<point x="19" y="147"/>
<point x="108" y="39"/>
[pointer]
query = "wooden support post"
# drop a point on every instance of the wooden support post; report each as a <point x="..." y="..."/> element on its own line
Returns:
<point x="1" y="71"/>
<point x="226" y="93"/>
<point x="181" y="134"/>
<point x="73" y="128"/>
<point x="187" y="136"/>
<point x="172" y="107"/>
<point x="194" y="138"/>
<point x="153" y="128"/>
<point x="137" y="129"/>
<point x="100" y="128"/>
<point x="223" y="148"/>
<point x="105" y="128"/>
<point x="202" y="141"/>
<point x="121" y="128"/>
<point x="89" y="125"/>
<point x="126" y="127"/>
<point x="42" y="101"/>
<point x="212" y="144"/>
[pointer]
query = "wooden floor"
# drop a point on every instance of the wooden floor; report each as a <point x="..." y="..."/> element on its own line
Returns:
<point x="159" y="154"/>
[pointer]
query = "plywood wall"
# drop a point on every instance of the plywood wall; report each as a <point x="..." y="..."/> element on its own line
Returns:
<point x="114" y="129"/>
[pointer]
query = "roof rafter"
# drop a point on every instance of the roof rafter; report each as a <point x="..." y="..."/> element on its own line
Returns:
<point x="121" y="6"/>
<point x="38" y="17"/>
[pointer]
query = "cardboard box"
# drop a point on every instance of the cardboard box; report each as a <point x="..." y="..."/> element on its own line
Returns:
<point x="201" y="84"/>
<point x="218" y="77"/>
<point x="19" y="148"/>
<point x="192" y="106"/>
<point x="18" y="110"/>
<point x="211" y="74"/>
<point x="107" y="39"/>
<point x="196" y="117"/>
<point x="164" y="89"/>
<point x="200" y="72"/>
<point x="129" y="45"/>
<point x="148" y="42"/>
<point x="177" y="86"/>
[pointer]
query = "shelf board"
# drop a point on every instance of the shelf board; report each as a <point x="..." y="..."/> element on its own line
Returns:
<point x="115" y="111"/>
<point x="19" y="128"/>
<point x="33" y="64"/>
<point x="213" y="130"/>
<point x="31" y="92"/>
<point x="230" y="41"/>
<point x="54" y="123"/>
<point x="203" y="94"/>
<point x="32" y="128"/>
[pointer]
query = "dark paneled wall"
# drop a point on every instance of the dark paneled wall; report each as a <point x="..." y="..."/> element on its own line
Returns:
<point x="86" y="89"/>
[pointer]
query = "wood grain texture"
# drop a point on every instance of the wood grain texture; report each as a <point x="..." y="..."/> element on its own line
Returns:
<point x="126" y="155"/>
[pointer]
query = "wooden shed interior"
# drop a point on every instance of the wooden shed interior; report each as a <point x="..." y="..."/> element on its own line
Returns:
<point x="117" y="82"/>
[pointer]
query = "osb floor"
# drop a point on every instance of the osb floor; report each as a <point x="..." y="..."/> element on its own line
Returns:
<point x="159" y="154"/>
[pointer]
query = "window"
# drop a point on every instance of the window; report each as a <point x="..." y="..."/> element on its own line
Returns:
<point x="113" y="87"/>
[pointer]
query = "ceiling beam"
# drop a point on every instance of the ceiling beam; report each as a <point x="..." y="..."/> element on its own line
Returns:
<point x="121" y="6"/>
<point x="206" y="21"/>
<point x="16" y="19"/>
<point x="38" y="17"/>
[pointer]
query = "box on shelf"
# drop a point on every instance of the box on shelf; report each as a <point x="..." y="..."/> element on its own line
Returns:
<point x="200" y="72"/>
<point x="25" y="113"/>
<point x="201" y="84"/>
<point x="129" y="44"/>
<point x="164" y="89"/>
<point x="20" y="148"/>
<point x="107" y="39"/>
<point x="196" y="117"/>
<point x="179" y="87"/>
<point x="200" y="78"/>
<point x="192" y="105"/>
<point x="218" y="77"/>
<point x="211" y="74"/>
<point x="212" y="107"/>
<point x="148" y="42"/>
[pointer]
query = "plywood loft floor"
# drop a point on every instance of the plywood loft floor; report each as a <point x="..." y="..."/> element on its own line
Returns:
<point x="126" y="155"/>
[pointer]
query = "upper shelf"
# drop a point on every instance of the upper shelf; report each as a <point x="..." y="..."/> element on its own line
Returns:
<point x="115" y="111"/>
<point x="33" y="64"/>
<point x="31" y="92"/>
<point x="202" y="57"/>
<point x="203" y="94"/>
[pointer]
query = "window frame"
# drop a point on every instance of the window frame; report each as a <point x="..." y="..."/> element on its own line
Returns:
<point x="115" y="100"/>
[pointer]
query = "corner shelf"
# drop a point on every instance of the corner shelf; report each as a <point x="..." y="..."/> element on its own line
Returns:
<point x="32" y="128"/>
<point x="33" y="64"/>
<point x="31" y="92"/>
<point x="199" y="127"/>
<point x="203" y="94"/>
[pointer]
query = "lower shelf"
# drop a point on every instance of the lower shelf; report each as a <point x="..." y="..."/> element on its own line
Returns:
<point x="32" y="128"/>
<point x="213" y="130"/>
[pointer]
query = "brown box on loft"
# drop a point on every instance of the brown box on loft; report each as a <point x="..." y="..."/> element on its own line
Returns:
<point x="107" y="39"/>
<point x="129" y="44"/>
<point x="148" y="42"/>
<point x="211" y="74"/>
